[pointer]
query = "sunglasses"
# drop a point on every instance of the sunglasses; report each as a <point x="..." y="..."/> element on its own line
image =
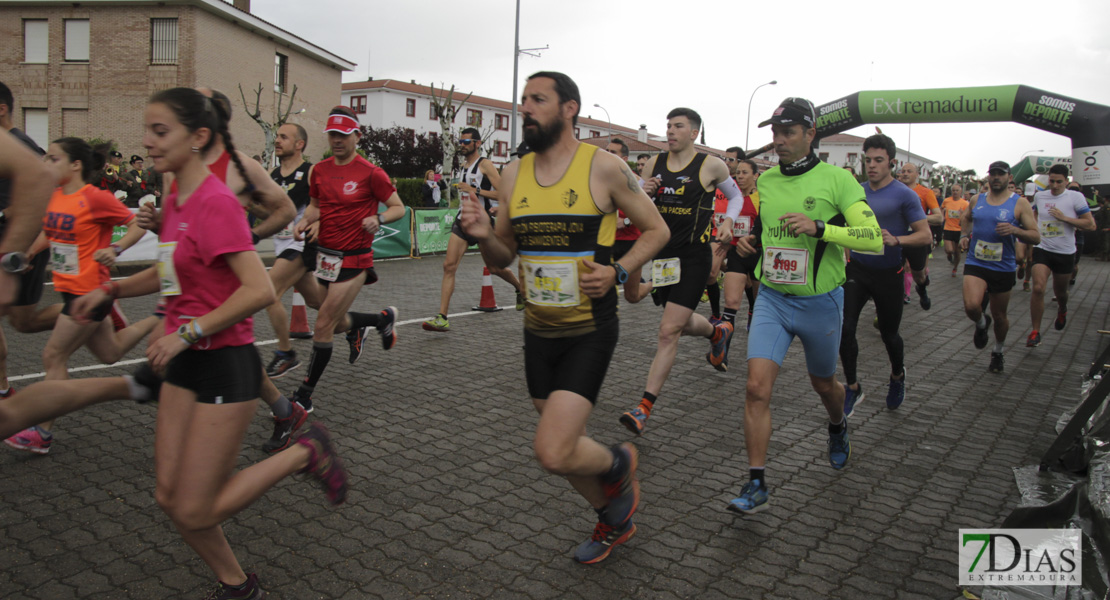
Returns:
<point x="729" y="159"/>
<point x="464" y="142"/>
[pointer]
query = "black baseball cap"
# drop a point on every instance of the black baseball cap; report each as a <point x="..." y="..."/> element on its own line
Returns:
<point x="135" y="157"/>
<point x="115" y="154"/>
<point x="793" y="111"/>
<point x="999" y="165"/>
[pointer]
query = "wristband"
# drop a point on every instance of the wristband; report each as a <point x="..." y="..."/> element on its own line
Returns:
<point x="194" y="325"/>
<point x="116" y="248"/>
<point x="897" y="242"/>
<point x="254" y="238"/>
<point x="820" y="225"/>
<point x="111" y="288"/>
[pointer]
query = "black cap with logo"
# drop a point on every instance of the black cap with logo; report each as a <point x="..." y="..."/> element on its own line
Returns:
<point x="793" y="111"/>
<point x="999" y="165"/>
<point x="115" y="154"/>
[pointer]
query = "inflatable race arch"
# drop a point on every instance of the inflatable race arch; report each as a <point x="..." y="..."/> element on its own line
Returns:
<point x="1087" y="124"/>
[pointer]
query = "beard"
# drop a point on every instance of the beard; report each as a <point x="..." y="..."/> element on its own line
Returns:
<point x="998" y="186"/>
<point x="542" y="137"/>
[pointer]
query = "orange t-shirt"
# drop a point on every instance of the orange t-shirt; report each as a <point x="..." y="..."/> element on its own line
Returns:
<point x="928" y="198"/>
<point x="78" y="225"/>
<point x="951" y="208"/>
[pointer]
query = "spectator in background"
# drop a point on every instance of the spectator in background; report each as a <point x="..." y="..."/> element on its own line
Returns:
<point x="641" y="160"/>
<point x="143" y="182"/>
<point x="114" y="178"/>
<point x="433" y="189"/>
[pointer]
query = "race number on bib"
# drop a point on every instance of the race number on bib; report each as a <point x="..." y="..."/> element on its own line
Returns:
<point x="742" y="226"/>
<point x="63" y="258"/>
<point x="666" y="271"/>
<point x="551" y="283"/>
<point x="286" y="233"/>
<point x="1051" y="229"/>
<point x="167" y="274"/>
<point x="328" y="264"/>
<point x="953" y="214"/>
<point x="787" y="266"/>
<point x="988" y="251"/>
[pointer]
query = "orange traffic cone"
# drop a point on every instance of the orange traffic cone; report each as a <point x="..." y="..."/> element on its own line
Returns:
<point x="488" y="303"/>
<point x="298" y="319"/>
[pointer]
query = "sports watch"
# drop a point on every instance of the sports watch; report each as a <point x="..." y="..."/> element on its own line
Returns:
<point x="622" y="275"/>
<point x="14" y="262"/>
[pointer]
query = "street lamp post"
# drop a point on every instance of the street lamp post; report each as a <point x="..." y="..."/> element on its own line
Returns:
<point x="748" y="124"/>
<point x="596" y="105"/>
<point x="517" y="51"/>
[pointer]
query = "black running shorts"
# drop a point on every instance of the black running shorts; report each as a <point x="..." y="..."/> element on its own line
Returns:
<point x="223" y="376"/>
<point x="918" y="257"/>
<point x="349" y="274"/>
<point x="1059" y="264"/>
<point x="575" y="364"/>
<point x="696" y="264"/>
<point x="952" y="236"/>
<point x="31" y="281"/>
<point x="744" y="265"/>
<point x="97" y="315"/>
<point x="998" y="282"/>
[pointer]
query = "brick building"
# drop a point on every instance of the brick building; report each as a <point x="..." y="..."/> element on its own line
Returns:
<point x="86" y="69"/>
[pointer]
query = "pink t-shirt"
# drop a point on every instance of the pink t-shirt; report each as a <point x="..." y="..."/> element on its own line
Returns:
<point x="209" y="225"/>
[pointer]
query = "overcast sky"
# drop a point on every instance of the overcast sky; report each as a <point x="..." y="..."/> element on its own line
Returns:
<point x="641" y="58"/>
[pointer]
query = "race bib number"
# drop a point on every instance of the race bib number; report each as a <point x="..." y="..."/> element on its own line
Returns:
<point x="742" y="226"/>
<point x="787" y="266"/>
<point x="953" y="214"/>
<point x="1051" y="229"/>
<point x="551" y="283"/>
<point x="666" y="271"/>
<point x="64" y="259"/>
<point x="328" y="264"/>
<point x="988" y="251"/>
<point x="167" y="274"/>
<point x="286" y="233"/>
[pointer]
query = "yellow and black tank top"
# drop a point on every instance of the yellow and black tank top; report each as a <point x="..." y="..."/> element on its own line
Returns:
<point x="556" y="228"/>
<point x="686" y="206"/>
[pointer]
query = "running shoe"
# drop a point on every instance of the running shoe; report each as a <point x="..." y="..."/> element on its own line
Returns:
<point x="753" y="498"/>
<point x="436" y="323"/>
<point x="1021" y="271"/>
<point x="997" y="363"/>
<point x="601" y="543"/>
<point x="982" y="334"/>
<point x="8" y="393"/>
<point x="251" y="591"/>
<point x="1061" y="320"/>
<point x="635" y="420"/>
<point x="1033" y="340"/>
<point x="146" y="377"/>
<point x="282" y="363"/>
<point x="715" y="320"/>
<point x="624" y="492"/>
<point x="840" y="449"/>
<point x="356" y="338"/>
<point x="519" y="301"/>
<point x="324" y="464"/>
<point x="285" y="428"/>
<point x="906" y="299"/>
<point x="31" y="440"/>
<point x="704" y="297"/>
<point x="926" y="303"/>
<point x="119" y="320"/>
<point x="896" y="392"/>
<point x="718" y="351"/>
<point x="305" y="400"/>
<point x="852" y="398"/>
<point x="385" y="327"/>
<point x="656" y="298"/>
<point x="1025" y="286"/>
<point x="954" y="271"/>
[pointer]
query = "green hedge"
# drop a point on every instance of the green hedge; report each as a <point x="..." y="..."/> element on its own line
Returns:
<point x="410" y="191"/>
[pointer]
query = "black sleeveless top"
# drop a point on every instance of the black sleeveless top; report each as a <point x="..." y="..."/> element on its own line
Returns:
<point x="686" y="207"/>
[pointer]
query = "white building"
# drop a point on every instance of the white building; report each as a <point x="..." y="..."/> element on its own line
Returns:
<point x="388" y="103"/>
<point x="844" y="150"/>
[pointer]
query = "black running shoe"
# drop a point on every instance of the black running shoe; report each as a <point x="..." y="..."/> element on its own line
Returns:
<point x="355" y="339"/>
<point x="146" y="377"/>
<point x="283" y="363"/>
<point x="305" y="400"/>
<point x="982" y="335"/>
<point x="386" y="321"/>
<point x="284" y="429"/>
<point x="926" y="303"/>
<point x="997" y="363"/>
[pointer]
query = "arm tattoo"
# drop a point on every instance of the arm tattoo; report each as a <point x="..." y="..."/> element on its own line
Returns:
<point x="633" y="183"/>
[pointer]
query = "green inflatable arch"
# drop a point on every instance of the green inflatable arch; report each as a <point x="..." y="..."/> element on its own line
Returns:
<point x="1087" y="124"/>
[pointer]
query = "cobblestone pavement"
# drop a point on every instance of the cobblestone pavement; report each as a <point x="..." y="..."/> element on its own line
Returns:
<point x="447" y="501"/>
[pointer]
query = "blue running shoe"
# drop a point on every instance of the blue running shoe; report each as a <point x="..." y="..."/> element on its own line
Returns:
<point x="753" y="498"/>
<point x="851" y="399"/>
<point x="840" y="449"/>
<point x="635" y="420"/>
<point x="601" y="543"/>
<point x="896" y="393"/>
<point x="718" y="349"/>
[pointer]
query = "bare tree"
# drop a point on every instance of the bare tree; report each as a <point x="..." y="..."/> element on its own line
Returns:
<point x="446" y="109"/>
<point x="268" y="129"/>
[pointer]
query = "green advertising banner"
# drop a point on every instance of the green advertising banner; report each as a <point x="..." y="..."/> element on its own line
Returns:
<point x="394" y="239"/>
<point x="432" y="228"/>
<point x="1087" y="124"/>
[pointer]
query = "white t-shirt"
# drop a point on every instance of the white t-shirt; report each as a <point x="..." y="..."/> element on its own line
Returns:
<point x="1058" y="236"/>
